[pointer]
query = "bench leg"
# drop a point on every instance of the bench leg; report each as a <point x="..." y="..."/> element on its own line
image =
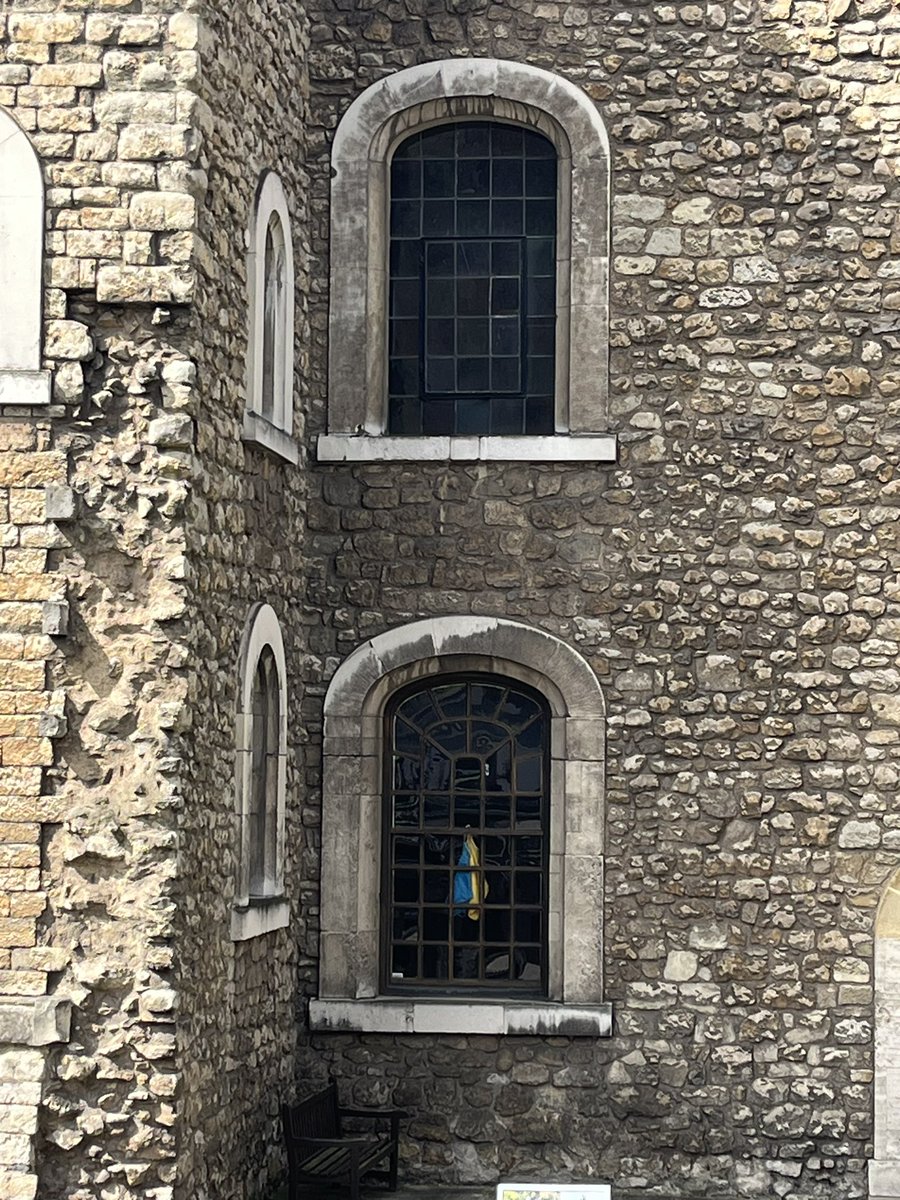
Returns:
<point x="392" y="1173"/>
<point x="354" y="1181"/>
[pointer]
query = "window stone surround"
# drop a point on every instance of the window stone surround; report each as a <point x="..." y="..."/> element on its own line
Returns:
<point x="252" y="916"/>
<point x="351" y="828"/>
<point x="383" y="115"/>
<point x="22" y="382"/>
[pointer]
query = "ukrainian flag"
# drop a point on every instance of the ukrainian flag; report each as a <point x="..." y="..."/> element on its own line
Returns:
<point x="469" y="887"/>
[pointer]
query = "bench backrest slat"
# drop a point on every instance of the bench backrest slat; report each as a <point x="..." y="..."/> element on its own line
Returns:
<point x="317" y="1116"/>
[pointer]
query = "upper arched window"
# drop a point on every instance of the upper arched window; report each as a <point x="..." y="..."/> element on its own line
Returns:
<point x="260" y="778"/>
<point x="269" y="416"/>
<point x="21" y="265"/>
<point x="472" y="265"/>
<point x="469" y="269"/>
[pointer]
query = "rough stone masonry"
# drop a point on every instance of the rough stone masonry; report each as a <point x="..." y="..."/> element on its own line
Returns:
<point x="732" y="580"/>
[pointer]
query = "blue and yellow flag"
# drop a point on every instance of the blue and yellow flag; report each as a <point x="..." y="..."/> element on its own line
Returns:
<point x="469" y="886"/>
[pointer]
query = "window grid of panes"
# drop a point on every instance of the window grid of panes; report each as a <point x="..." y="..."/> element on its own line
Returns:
<point x="464" y="903"/>
<point x="472" y="325"/>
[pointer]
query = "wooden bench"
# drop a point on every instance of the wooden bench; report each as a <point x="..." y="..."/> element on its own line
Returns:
<point x="319" y="1151"/>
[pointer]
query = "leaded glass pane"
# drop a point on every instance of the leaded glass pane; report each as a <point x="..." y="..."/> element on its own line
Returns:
<point x="466" y="833"/>
<point x="472" y="308"/>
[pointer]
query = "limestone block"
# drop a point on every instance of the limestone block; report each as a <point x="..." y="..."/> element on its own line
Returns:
<point x="19" y="1064"/>
<point x="681" y="965"/>
<point x="24" y="387"/>
<point x="55" y="618"/>
<point x="33" y="1023"/>
<point x="18" y="1185"/>
<point x="159" y="211"/>
<point x="155" y="141"/>
<point x="59" y="502"/>
<point x="146" y="285"/>
<point x="45" y="27"/>
<point x="184" y="30"/>
<point x="18" y="1118"/>
<point x="172" y="431"/>
<point x="68" y="339"/>
<point x="859" y="834"/>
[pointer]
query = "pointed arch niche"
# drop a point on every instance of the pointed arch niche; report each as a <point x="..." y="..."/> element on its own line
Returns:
<point x="884" y="1170"/>
<point x="352" y="822"/>
<point x="21" y="267"/>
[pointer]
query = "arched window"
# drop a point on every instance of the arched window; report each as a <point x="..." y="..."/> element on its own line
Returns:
<point x="260" y="778"/>
<point x="269" y="416"/>
<point x="472" y="301"/>
<point x="466" y="838"/>
<point x="501" y="353"/>
<point x="21" y="266"/>
<point x="500" y="728"/>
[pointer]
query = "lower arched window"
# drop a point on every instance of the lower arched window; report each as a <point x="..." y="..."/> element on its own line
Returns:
<point x="466" y="838"/>
<point x="462" y="835"/>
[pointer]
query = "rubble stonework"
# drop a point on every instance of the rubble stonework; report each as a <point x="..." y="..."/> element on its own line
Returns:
<point x="732" y="581"/>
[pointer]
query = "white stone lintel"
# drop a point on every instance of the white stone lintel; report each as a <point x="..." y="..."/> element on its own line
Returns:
<point x="260" y="432"/>
<point x="24" y="387"/>
<point x="258" y="918"/>
<point x="396" y="1014"/>
<point x="365" y="448"/>
<point x="34" y="1021"/>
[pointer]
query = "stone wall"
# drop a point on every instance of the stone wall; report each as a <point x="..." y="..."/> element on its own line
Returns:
<point x="169" y="530"/>
<point x="733" y="582"/>
<point x="246" y="544"/>
<point x="93" y="589"/>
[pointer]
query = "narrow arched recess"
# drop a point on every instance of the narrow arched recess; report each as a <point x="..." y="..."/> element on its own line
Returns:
<point x="21" y="268"/>
<point x="351" y="828"/>
<point x="884" y="1170"/>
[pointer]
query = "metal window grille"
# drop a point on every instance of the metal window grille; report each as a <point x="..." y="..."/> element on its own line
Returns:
<point x="472" y="323"/>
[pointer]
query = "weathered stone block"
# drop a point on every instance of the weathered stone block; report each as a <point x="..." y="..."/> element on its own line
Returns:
<point x="162" y="211"/>
<point x="145" y="285"/>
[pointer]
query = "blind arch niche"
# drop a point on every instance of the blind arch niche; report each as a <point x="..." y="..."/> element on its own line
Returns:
<point x="21" y="268"/>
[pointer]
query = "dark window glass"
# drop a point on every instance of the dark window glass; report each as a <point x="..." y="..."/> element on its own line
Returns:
<point x="466" y="835"/>
<point x="262" y="808"/>
<point x="472" y="281"/>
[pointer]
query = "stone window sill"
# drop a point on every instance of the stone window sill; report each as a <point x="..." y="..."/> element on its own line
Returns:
<point x="24" y="387"/>
<point x="362" y="448"/>
<point x="396" y="1014"/>
<point x="259" y="917"/>
<point x="259" y="432"/>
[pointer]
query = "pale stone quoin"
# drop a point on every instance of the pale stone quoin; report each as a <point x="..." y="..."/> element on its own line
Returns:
<point x="276" y="677"/>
